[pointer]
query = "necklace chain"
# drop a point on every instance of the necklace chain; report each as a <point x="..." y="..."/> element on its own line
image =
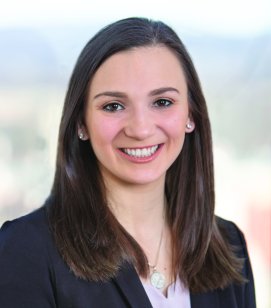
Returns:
<point x="157" y="279"/>
<point x="158" y="252"/>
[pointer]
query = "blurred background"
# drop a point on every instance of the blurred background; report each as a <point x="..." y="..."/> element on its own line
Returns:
<point x="230" y="44"/>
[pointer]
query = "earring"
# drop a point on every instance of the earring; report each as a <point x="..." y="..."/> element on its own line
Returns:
<point x="189" y="125"/>
<point x="81" y="135"/>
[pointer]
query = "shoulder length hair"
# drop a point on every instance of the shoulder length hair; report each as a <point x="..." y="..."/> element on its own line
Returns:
<point x="87" y="235"/>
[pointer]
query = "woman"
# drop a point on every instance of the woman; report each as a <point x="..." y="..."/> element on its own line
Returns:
<point x="130" y="219"/>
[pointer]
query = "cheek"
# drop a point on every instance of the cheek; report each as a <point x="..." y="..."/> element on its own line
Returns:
<point x="102" y="132"/>
<point x="175" y="126"/>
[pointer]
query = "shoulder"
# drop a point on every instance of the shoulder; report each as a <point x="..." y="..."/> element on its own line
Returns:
<point x="233" y="235"/>
<point x="28" y="229"/>
<point x="25" y="239"/>
<point x="25" y="262"/>
<point x="244" y="293"/>
<point x="37" y="217"/>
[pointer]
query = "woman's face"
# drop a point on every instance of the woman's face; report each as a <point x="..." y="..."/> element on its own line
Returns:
<point x="136" y="115"/>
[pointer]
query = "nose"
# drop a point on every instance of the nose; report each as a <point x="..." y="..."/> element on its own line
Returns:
<point x="140" y="124"/>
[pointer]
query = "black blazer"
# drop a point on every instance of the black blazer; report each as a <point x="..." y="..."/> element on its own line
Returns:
<point x="33" y="275"/>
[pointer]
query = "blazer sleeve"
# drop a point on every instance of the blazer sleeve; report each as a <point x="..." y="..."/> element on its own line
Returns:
<point x="245" y="293"/>
<point x="26" y="278"/>
<point x="249" y="289"/>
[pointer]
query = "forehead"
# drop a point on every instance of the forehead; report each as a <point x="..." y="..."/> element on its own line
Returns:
<point x="150" y="66"/>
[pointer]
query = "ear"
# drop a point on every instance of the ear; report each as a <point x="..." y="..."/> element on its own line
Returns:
<point x="190" y="125"/>
<point x="82" y="133"/>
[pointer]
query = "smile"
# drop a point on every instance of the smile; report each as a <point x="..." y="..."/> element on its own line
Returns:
<point x="140" y="153"/>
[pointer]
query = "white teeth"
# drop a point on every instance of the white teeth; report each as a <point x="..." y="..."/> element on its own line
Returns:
<point x="145" y="152"/>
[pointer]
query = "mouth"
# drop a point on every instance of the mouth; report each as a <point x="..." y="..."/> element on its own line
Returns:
<point x="141" y="152"/>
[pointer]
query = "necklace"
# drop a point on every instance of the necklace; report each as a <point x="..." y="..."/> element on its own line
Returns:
<point x="157" y="279"/>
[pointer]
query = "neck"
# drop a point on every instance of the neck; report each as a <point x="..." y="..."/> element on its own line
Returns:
<point x="139" y="208"/>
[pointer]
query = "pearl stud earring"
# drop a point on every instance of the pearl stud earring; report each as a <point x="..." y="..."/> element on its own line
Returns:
<point x="189" y="126"/>
<point x="81" y="135"/>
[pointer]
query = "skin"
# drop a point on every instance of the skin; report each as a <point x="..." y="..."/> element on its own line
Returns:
<point x="132" y="116"/>
<point x="138" y="99"/>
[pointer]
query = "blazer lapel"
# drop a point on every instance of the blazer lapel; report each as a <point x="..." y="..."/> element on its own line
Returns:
<point x="208" y="299"/>
<point x="131" y="287"/>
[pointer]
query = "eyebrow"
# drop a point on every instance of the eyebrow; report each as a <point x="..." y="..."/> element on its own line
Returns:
<point x="154" y="92"/>
<point x="111" y="93"/>
<point x="163" y="90"/>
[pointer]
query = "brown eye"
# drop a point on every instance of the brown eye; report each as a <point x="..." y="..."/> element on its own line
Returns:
<point x="162" y="103"/>
<point x="113" y="107"/>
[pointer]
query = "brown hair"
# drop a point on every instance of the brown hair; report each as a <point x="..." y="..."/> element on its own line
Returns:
<point x="88" y="236"/>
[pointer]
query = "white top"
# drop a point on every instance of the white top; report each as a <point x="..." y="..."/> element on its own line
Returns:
<point x="177" y="296"/>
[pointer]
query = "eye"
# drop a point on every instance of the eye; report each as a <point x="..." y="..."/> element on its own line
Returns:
<point x="113" y="107"/>
<point x="162" y="103"/>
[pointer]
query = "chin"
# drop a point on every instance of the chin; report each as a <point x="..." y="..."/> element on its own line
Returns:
<point x="143" y="179"/>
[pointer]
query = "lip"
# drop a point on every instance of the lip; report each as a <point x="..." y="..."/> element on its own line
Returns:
<point x="141" y="159"/>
